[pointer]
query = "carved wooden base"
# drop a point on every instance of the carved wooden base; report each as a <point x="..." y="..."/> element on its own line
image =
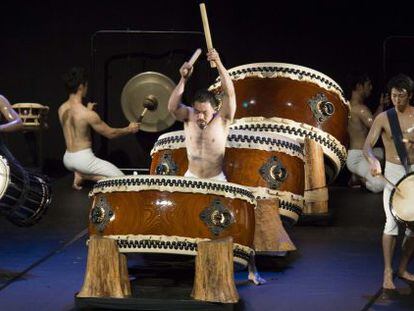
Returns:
<point x="214" y="275"/>
<point x="316" y="193"/>
<point x="106" y="270"/>
<point x="270" y="235"/>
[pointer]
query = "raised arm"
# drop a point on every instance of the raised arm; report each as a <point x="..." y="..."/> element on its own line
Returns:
<point x="228" y="107"/>
<point x="110" y="132"/>
<point x="372" y="138"/>
<point x="175" y="105"/>
<point x="14" y="123"/>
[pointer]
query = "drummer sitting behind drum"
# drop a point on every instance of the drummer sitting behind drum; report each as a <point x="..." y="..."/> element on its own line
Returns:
<point x="205" y="128"/>
<point x="76" y="121"/>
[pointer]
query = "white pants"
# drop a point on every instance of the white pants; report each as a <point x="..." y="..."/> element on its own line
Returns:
<point x="220" y="177"/>
<point x="393" y="172"/>
<point x="357" y="164"/>
<point x="85" y="162"/>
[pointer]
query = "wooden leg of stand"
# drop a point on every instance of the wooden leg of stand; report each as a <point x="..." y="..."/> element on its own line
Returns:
<point x="214" y="275"/>
<point x="106" y="270"/>
<point x="316" y="192"/>
<point x="270" y="235"/>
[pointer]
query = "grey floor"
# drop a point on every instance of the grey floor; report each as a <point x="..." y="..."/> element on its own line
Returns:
<point x="336" y="267"/>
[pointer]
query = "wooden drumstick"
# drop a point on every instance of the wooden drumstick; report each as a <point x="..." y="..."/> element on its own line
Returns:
<point x="150" y="103"/>
<point x="207" y="33"/>
<point x="194" y="58"/>
<point x="392" y="185"/>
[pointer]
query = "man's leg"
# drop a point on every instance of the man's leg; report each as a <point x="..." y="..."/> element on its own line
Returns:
<point x="388" y="246"/>
<point x="407" y="251"/>
<point x="79" y="178"/>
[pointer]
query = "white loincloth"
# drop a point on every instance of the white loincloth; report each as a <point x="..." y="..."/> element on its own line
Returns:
<point x="357" y="164"/>
<point x="85" y="162"/>
<point x="220" y="177"/>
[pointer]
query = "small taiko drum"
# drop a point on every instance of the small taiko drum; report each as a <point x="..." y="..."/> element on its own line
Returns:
<point x="287" y="91"/>
<point x="170" y="214"/>
<point x="269" y="164"/>
<point x="402" y="201"/>
<point x="34" y="116"/>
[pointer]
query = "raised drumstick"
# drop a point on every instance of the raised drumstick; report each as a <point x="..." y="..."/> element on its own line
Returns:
<point x="207" y="33"/>
<point x="194" y="57"/>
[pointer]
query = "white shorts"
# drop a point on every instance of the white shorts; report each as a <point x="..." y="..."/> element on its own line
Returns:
<point x="220" y="177"/>
<point x="357" y="164"/>
<point x="85" y="162"/>
<point x="393" y="172"/>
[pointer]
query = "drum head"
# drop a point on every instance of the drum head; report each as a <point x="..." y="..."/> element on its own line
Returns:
<point x="4" y="176"/>
<point x="402" y="201"/>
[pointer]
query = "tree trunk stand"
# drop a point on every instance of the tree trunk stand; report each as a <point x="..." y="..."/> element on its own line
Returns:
<point x="106" y="270"/>
<point x="214" y="275"/>
<point x="270" y="236"/>
<point x="316" y="192"/>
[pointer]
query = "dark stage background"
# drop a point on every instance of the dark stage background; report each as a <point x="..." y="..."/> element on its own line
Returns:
<point x="42" y="40"/>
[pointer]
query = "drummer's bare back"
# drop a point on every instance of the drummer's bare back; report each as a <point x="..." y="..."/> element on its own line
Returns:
<point x="206" y="147"/>
<point x="76" y="128"/>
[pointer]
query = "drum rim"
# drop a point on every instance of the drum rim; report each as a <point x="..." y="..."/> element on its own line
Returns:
<point x="176" y="140"/>
<point x="391" y="206"/>
<point x="236" y="191"/>
<point x="128" y="247"/>
<point x="316" y="77"/>
<point x="331" y="146"/>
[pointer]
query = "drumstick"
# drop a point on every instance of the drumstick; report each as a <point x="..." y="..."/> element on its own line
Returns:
<point x="206" y="27"/>
<point x="194" y="58"/>
<point x="392" y="185"/>
<point x="139" y="119"/>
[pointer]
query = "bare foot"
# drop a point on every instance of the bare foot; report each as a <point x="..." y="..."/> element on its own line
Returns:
<point x="388" y="281"/>
<point x="405" y="275"/>
<point x="77" y="181"/>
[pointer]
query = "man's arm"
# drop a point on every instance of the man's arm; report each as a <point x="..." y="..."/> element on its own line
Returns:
<point x="110" y="132"/>
<point x="175" y="105"/>
<point x="372" y="138"/>
<point x="14" y="123"/>
<point x="365" y="115"/>
<point x="228" y="107"/>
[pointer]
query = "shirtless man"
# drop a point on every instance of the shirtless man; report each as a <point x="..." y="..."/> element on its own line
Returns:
<point x="205" y="128"/>
<point x="401" y="90"/>
<point x="76" y="121"/>
<point x="358" y="126"/>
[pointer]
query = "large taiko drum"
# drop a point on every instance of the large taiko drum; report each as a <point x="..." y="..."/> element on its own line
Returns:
<point x="298" y="94"/>
<point x="170" y="214"/>
<point x="270" y="164"/>
<point x="402" y="201"/>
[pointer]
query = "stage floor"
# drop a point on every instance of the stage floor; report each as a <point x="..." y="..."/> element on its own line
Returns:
<point x="336" y="267"/>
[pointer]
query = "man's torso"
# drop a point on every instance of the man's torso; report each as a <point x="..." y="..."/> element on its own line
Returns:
<point x="357" y="130"/>
<point x="206" y="147"/>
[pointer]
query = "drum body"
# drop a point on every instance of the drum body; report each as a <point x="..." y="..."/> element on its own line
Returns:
<point x="291" y="92"/>
<point x="170" y="214"/>
<point x="24" y="196"/>
<point x="402" y="201"/>
<point x="269" y="164"/>
<point x="33" y="115"/>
